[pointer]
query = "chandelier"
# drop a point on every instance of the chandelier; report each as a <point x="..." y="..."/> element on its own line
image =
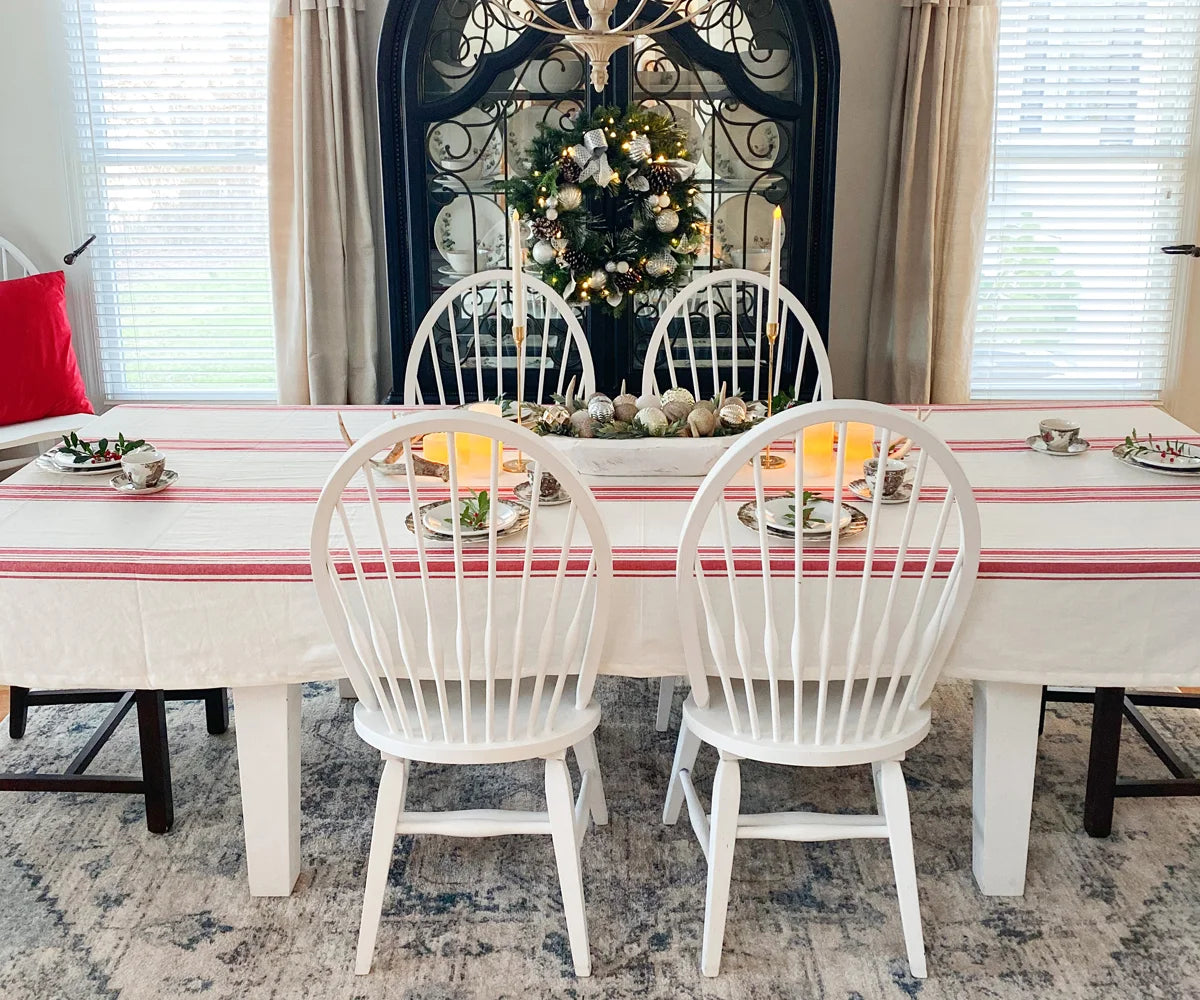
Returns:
<point x="592" y="34"/>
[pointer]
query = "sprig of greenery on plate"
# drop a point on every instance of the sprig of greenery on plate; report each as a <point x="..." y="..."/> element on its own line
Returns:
<point x="808" y="505"/>
<point x="1166" y="448"/>
<point x="97" y="451"/>
<point x="475" y="511"/>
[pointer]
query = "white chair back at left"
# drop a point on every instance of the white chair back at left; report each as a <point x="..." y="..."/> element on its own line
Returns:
<point x="13" y="262"/>
<point x="466" y="647"/>
<point x="468" y="332"/>
<point x="817" y="650"/>
<point x="714" y="331"/>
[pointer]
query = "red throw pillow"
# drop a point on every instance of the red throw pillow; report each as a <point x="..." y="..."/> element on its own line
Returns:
<point x="39" y="373"/>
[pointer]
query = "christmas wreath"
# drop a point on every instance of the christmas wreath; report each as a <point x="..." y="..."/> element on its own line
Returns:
<point x="638" y="158"/>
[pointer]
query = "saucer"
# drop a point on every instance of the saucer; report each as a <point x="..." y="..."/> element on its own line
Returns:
<point x="524" y="494"/>
<point x="121" y="484"/>
<point x="861" y="490"/>
<point x="1078" y="447"/>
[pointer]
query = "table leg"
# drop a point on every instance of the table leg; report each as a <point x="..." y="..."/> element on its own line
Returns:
<point x="267" y="723"/>
<point x="1107" y="713"/>
<point x="1005" y="755"/>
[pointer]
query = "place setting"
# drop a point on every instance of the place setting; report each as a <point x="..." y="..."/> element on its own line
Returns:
<point x="475" y="516"/>
<point x="1165" y="456"/>
<point x="815" y="515"/>
<point x="141" y="469"/>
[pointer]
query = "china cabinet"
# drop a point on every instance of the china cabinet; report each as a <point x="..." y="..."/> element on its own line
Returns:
<point x="753" y="82"/>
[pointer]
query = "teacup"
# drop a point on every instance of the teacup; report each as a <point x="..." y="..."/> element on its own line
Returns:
<point x="144" y="467"/>
<point x="893" y="474"/>
<point x="1058" y="434"/>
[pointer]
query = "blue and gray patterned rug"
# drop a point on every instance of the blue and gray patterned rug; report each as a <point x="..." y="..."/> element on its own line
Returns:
<point x="92" y="906"/>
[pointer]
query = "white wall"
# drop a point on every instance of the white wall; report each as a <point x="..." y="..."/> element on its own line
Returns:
<point x="35" y="212"/>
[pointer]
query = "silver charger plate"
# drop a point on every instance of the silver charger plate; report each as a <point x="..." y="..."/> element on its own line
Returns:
<point x="1119" y="454"/>
<point x="121" y="484"/>
<point x="524" y="494"/>
<point x="518" y="525"/>
<point x="1077" y="447"/>
<point x="858" y="521"/>
<point x="861" y="490"/>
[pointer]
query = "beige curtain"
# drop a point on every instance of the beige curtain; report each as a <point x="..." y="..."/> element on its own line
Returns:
<point x="935" y="203"/>
<point x="322" y="243"/>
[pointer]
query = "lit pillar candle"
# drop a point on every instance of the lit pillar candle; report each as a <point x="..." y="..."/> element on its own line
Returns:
<point x="776" y="251"/>
<point x="518" y="272"/>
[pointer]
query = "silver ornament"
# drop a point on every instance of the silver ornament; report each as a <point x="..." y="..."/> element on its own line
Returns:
<point x="667" y="221"/>
<point x="639" y="148"/>
<point x="653" y="421"/>
<point x="600" y="408"/>
<point x="610" y="266"/>
<point x="543" y="252"/>
<point x="678" y="394"/>
<point x="570" y="197"/>
<point x="661" y="265"/>
<point x="555" y="419"/>
<point x="599" y="279"/>
<point x="733" y="417"/>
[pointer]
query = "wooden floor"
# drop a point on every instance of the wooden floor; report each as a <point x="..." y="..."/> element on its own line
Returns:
<point x="3" y="702"/>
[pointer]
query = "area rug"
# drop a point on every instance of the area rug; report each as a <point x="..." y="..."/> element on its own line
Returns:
<point x="93" y="906"/>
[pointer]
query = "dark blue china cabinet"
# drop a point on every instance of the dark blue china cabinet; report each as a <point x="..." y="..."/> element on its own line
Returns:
<point x="754" y="83"/>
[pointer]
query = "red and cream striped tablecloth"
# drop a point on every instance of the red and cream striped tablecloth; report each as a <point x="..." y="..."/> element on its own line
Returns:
<point x="1090" y="574"/>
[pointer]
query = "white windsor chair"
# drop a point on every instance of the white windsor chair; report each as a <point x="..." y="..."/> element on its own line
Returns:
<point x="464" y="653"/>
<point x="808" y="652"/>
<point x="15" y="264"/>
<point x="469" y="328"/>
<point x="738" y="297"/>
<point x="689" y="339"/>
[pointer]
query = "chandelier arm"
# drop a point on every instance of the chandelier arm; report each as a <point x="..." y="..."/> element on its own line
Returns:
<point x="624" y="26"/>
<point x="676" y="15"/>
<point x="538" y="20"/>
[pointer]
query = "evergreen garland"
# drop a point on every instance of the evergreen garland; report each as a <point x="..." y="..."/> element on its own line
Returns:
<point x="659" y="229"/>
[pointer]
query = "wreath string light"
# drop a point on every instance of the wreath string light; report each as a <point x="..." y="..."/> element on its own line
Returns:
<point x="641" y="160"/>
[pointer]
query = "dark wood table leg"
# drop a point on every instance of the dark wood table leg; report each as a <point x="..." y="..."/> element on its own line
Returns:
<point x="18" y="711"/>
<point x="156" y="760"/>
<point x="216" y="711"/>
<point x="1102" y="761"/>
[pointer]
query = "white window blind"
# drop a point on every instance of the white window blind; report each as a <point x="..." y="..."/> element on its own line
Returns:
<point x="170" y="107"/>
<point x="1095" y="107"/>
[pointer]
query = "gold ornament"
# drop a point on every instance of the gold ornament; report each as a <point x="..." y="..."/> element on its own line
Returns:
<point x="667" y="221"/>
<point x="570" y="197"/>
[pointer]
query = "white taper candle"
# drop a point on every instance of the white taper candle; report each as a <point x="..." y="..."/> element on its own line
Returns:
<point x="518" y="275"/>
<point x="776" y="247"/>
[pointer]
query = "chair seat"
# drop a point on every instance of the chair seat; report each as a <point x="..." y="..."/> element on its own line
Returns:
<point x="712" y="724"/>
<point x="33" y="431"/>
<point x="571" y="726"/>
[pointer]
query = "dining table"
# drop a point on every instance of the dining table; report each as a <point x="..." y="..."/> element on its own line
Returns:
<point x="1090" y="569"/>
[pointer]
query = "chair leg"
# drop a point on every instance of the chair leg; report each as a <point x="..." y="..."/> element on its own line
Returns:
<point x="156" y="760"/>
<point x="685" y="757"/>
<point x="585" y="755"/>
<point x="392" y="786"/>
<point x="18" y="711"/>
<point x="666" y="694"/>
<point x="722" y="836"/>
<point x="560" y="807"/>
<point x="895" y="809"/>
<point x="216" y="711"/>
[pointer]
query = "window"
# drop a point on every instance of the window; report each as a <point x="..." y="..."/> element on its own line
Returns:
<point x="1094" y="137"/>
<point x="170" y="113"/>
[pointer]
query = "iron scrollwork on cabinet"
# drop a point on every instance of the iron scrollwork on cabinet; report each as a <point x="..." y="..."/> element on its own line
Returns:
<point x="754" y="82"/>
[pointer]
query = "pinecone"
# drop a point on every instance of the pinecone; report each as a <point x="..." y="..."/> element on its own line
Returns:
<point x="627" y="281"/>
<point x="575" y="259"/>
<point x="569" y="171"/>
<point x="661" y="178"/>
<point x="543" y="228"/>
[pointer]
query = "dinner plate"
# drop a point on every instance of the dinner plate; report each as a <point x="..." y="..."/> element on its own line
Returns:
<point x="1119" y="454"/>
<point x="523" y="129"/>
<point x="857" y="522"/>
<point x="468" y="146"/>
<point x="1188" y="459"/>
<point x="779" y="512"/>
<point x="47" y="464"/>
<point x="519" y="525"/>
<point x="745" y="215"/>
<point x="470" y="228"/>
<point x="66" y="462"/>
<point x="439" y="518"/>
<point x="740" y="144"/>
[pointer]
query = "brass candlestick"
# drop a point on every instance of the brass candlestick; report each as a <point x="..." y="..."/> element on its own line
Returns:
<point x="518" y="464"/>
<point x="770" y="461"/>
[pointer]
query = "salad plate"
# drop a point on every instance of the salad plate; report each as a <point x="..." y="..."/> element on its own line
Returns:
<point x="438" y="518"/>
<point x="469" y="537"/>
<point x="780" y="513"/>
<point x="746" y="217"/>
<point x="1176" y="456"/>
<point x="467" y="146"/>
<point x="851" y="522"/>
<point x="740" y="144"/>
<point x="469" y="233"/>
